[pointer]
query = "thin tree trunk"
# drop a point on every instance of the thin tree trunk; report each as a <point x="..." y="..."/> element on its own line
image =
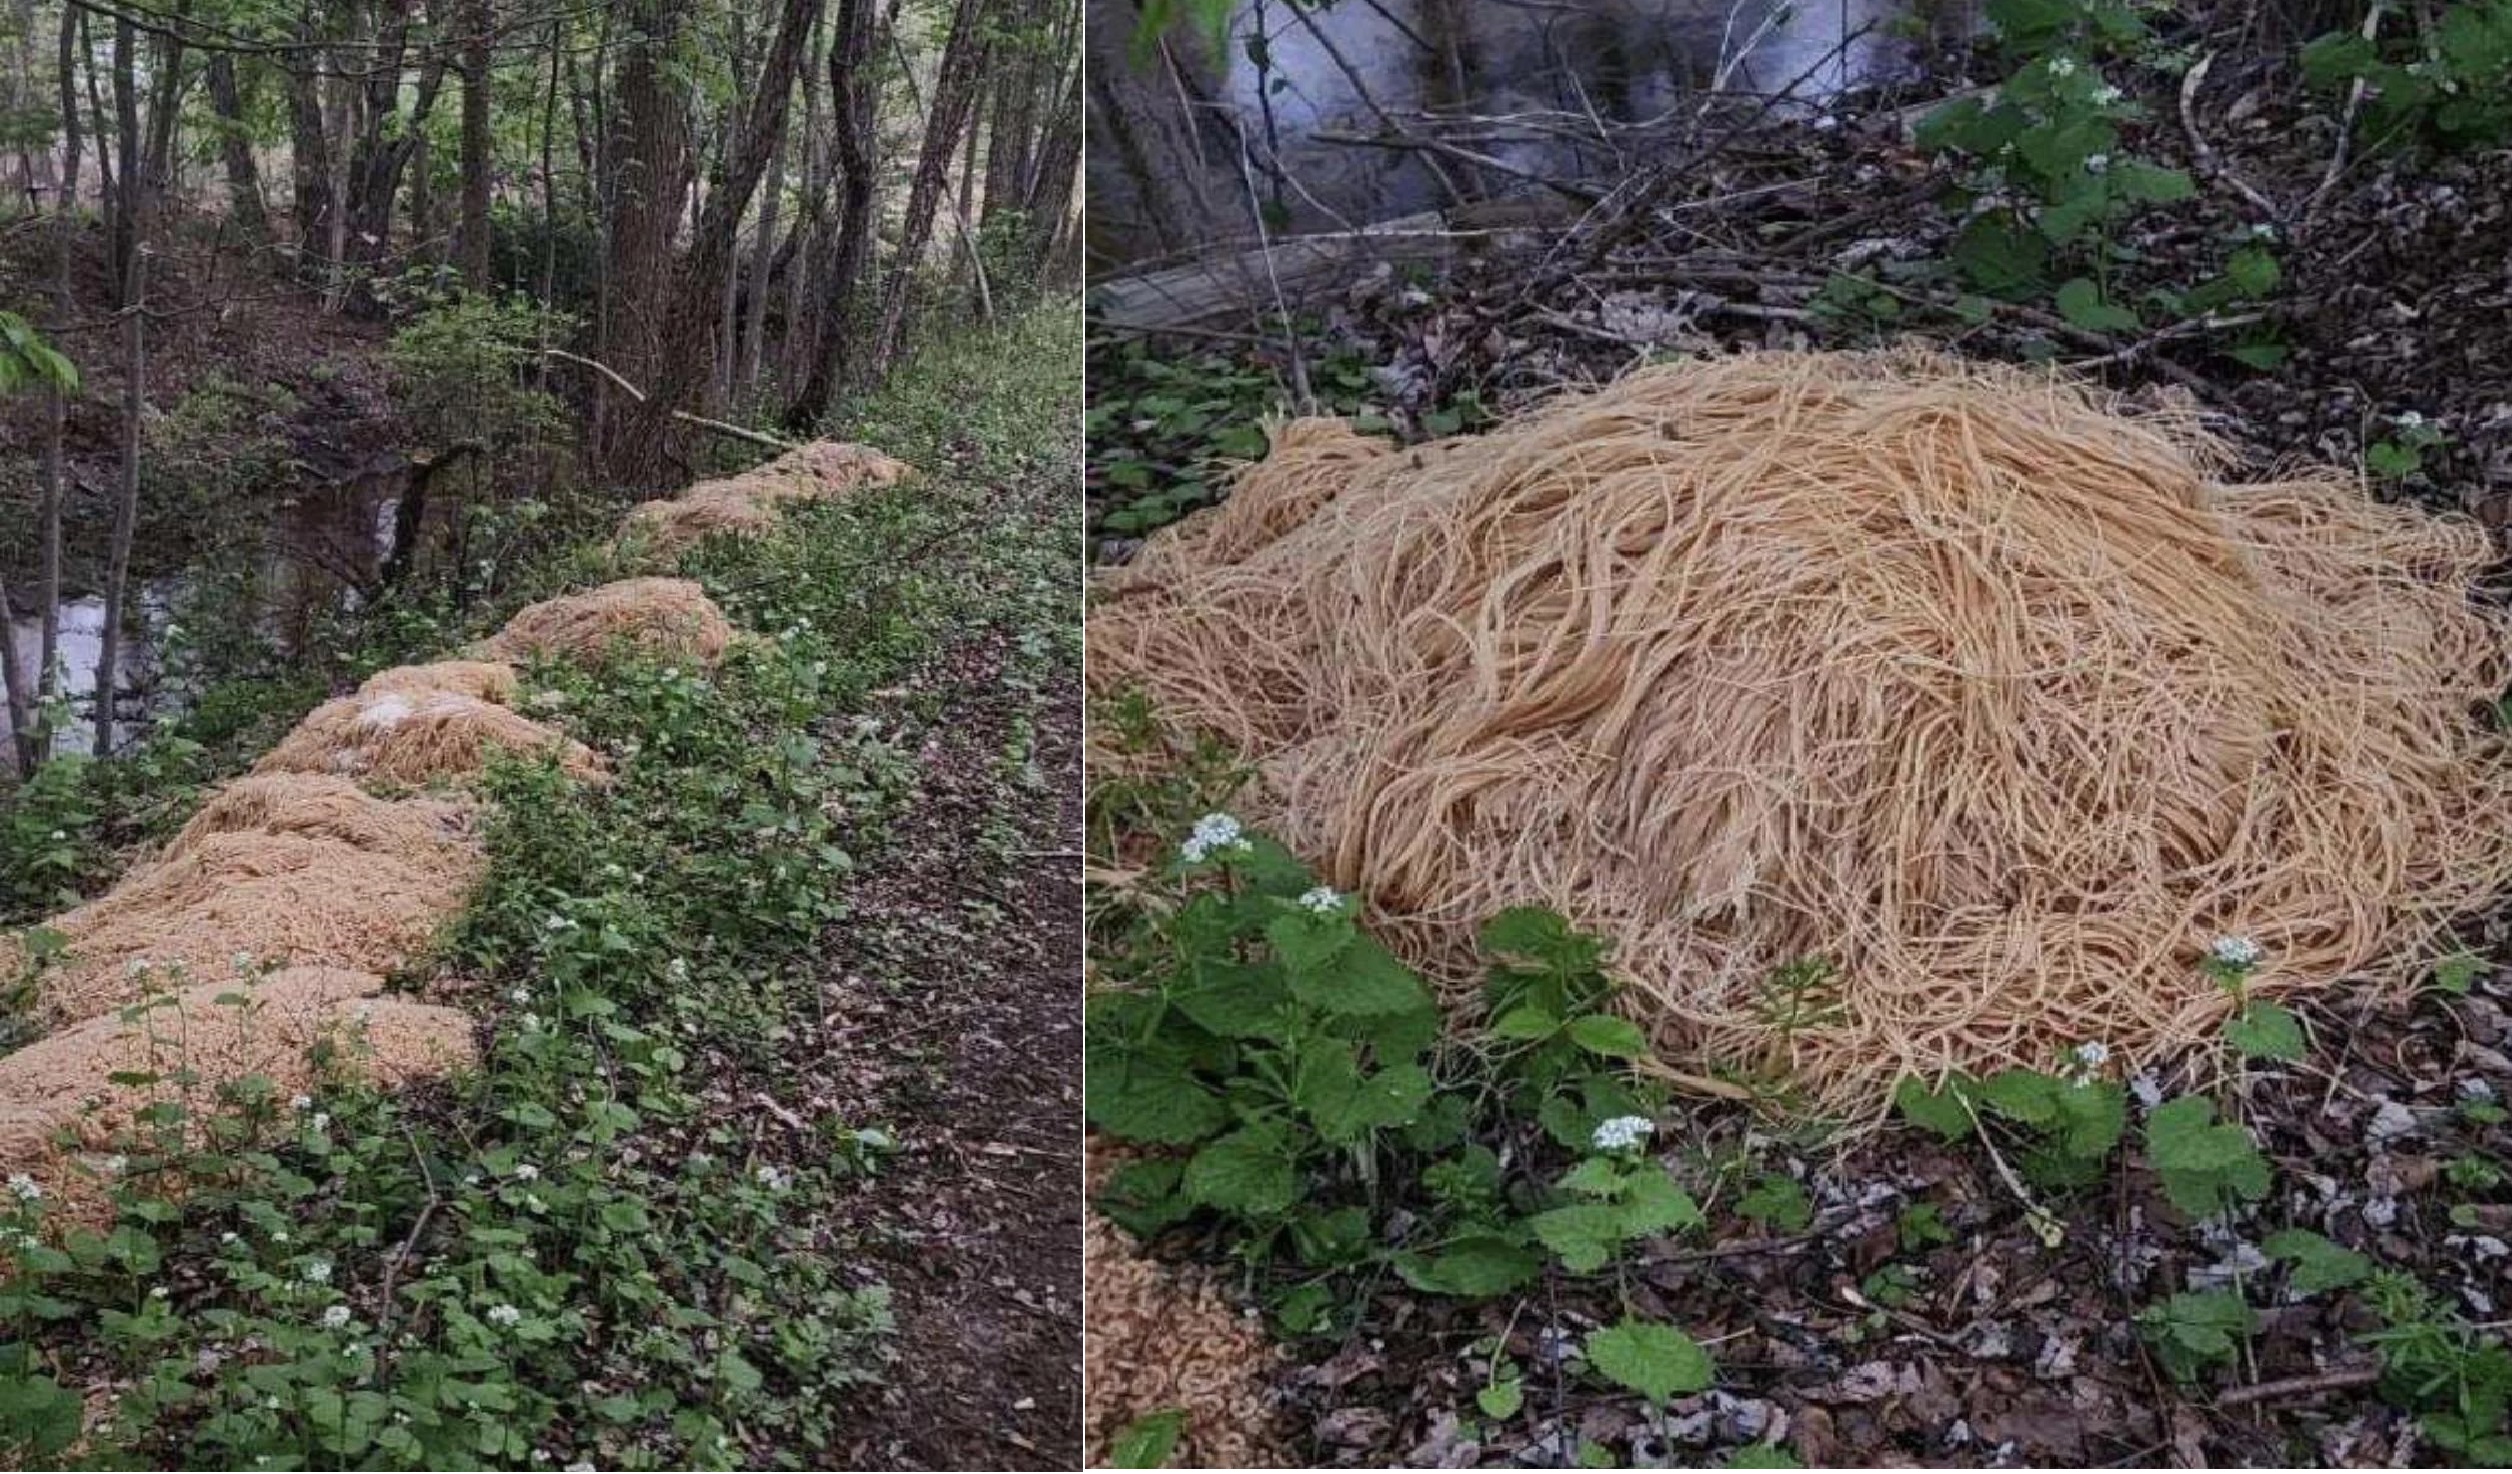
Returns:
<point x="762" y="254"/>
<point x="854" y="108"/>
<point x="954" y="93"/>
<point x="57" y="403"/>
<point x="477" y="17"/>
<point x="133" y="262"/>
<point x="13" y="684"/>
<point x="235" y="148"/>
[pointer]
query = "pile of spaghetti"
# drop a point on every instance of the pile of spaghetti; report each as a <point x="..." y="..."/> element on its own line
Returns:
<point x="1892" y="715"/>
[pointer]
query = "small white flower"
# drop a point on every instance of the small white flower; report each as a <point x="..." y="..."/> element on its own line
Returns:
<point x="1622" y="1132"/>
<point x="60" y="834"/>
<point x="519" y="995"/>
<point x="503" y="1315"/>
<point x="2061" y="66"/>
<point x="25" y="1188"/>
<point x="677" y="970"/>
<point x="278" y="1235"/>
<point x="318" y="1272"/>
<point x="159" y="1293"/>
<point x="2093" y="1056"/>
<point x="322" y="1120"/>
<point x="300" y="1102"/>
<point x="336" y="1316"/>
<point x="112" y="1166"/>
<point x="2236" y="951"/>
<point x="2408" y="420"/>
<point x="775" y="1179"/>
<point x="2097" y="163"/>
<point x="228" y="1238"/>
<point x="2106" y="95"/>
<point x="531" y="1022"/>
<point x="1324" y="900"/>
<point x="137" y="967"/>
<point x="244" y="961"/>
<point x="1213" y="833"/>
<point x="526" y="1172"/>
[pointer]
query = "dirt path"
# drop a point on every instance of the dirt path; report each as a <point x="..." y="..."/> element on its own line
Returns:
<point x="954" y="993"/>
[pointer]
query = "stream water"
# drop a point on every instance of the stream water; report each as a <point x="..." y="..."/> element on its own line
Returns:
<point x="1516" y="80"/>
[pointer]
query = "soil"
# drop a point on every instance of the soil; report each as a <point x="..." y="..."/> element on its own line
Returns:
<point x="955" y="993"/>
<point x="216" y="312"/>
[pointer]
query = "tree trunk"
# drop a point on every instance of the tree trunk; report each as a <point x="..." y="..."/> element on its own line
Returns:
<point x="132" y="261"/>
<point x="13" y="684"/>
<point x="762" y="256"/>
<point x="57" y="403"/>
<point x="683" y="368"/>
<point x="854" y="107"/>
<point x="954" y="95"/>
<point x="476" y="21"/>
<point x="648" y="170"/>
<point x="235" y="148"/>
<point x="310" y="159"/>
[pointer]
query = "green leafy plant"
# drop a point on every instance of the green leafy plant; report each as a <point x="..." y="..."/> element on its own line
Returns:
<point x="2195" y="1331"/>
<point x="2314" y="1262"/>
<point x="2204" y="1165"/>
<point x="1656" y="1360"/>
<point x="2446" y="86"/>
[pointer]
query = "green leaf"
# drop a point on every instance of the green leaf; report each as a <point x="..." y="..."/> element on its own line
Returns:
<point x="1933" y="1110"/>
<point x="2204" y="1166"/>
<point x="2457" y="973"/>
<point x="2265" y="1030"/>
<point x="2001" y="259"/>
<point x="2319" y="1263"/>
<point x="2081" y="302"/>
<point x="1140" y="1098"/>
<point x="1584" y="1235"/>
<point x="1778" y="1202"/>
<point x="1526" y="1023"/>
<point x="1475" y="1267"/>
<point x="2253" y="271"/>
<point x="1147" y="1442"/>
<point x="1764" y="1456"/>
<point x="1249" y="1171"/>
<point x="2260" y="353"/>
<point x="1653" y="1202"/>
<point x="1501" y="1399"/>
<point x="1612" y="1037"/>
<point x="1653" y="1359"/>
<point x="1365" y="979"/>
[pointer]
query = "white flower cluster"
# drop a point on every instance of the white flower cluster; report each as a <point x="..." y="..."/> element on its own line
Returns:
<point x="503" y="1315"/>
<point x="1623" y="1132"/>
<point x="335" y="1317"/>
<point x="25" y="1188"/>
<point x="1213" y="834"/>
<point x="2107" y="95"/>
<point x="2408" y="420"/>
<point x="2237" y="951"/>
<point x="1323" y="900"/>
<point x="2061" y="66"/>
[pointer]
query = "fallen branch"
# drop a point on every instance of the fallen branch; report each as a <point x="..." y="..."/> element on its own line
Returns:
<point x="720" y="427"/>
<point x="2290" y="1387"/>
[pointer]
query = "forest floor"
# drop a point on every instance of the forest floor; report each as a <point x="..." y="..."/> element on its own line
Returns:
<point x="1842" y="1333"/>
